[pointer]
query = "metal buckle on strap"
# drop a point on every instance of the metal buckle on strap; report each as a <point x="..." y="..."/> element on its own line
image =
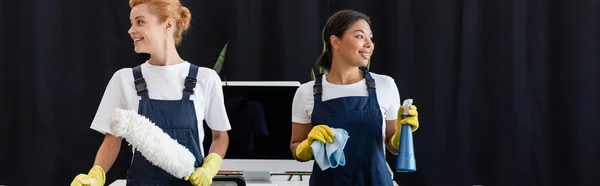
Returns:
<point x="370" y="84"/>
<point x="140" y="85"/>
<point x="317" y="90"/>
<point x="190" y="84"/>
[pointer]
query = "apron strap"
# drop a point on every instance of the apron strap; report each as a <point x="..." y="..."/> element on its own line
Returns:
<point x="368" y="77"/>
<point x="318" y="88"/>
<point x="370" y="84"/>
<point x="190" y="82"/>
<point x="140" y="83"/>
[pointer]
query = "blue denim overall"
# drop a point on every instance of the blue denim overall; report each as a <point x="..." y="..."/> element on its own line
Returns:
<point x="362" y="118"/>
<point x="178" y="119"/>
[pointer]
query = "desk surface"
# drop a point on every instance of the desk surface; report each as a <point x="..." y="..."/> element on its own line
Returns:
<point x="276" y="180"/>
<point x="263" y="165"/>
<point x="274" y="183"/>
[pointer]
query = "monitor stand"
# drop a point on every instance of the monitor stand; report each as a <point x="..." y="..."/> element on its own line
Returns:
<point x="257" y="176"/>
<point x="260" y="171"/>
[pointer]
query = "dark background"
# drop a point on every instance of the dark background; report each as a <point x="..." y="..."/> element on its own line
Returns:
<point x="507" y="90"/>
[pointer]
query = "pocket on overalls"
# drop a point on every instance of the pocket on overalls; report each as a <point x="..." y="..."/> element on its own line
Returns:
<point x="381" y="176"/>
<point x="182" y="136"/>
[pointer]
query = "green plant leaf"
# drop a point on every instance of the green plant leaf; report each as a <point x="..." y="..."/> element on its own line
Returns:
<point x="221" y="59"/>
<point x="323" y="38"/>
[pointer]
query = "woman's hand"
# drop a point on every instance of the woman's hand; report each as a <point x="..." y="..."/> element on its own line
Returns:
<point x="321" y="133"/>
<point x="412" y="119"/>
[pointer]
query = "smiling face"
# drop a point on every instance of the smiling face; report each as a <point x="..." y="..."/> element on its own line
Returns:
<point x="147" y="31"/>
<point x="356" y="45"/>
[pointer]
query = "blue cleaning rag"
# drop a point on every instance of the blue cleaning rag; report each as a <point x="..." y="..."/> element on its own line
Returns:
<point x="330" y="155"/>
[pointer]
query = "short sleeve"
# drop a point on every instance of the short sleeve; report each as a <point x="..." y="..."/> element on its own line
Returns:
<point x="394" y="105"/>
<point x="215" y="112"/>
<point x="299" y="113"/>
<point x="112" y="99"/>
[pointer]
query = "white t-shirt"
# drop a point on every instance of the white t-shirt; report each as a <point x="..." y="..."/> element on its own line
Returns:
<point x="165" y="83"/>
<point x="388" y="97"/>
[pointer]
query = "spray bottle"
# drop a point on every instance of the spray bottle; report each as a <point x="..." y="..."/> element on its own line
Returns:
<point x="406" y="157"/>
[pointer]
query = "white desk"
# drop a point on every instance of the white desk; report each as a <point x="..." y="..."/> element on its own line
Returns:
<point x="263" y="165"/>
<point x="275" y="183"/>
<point x="277" y="180"/>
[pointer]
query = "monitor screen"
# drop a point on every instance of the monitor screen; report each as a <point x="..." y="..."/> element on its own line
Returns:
<point x="260" y="117"/>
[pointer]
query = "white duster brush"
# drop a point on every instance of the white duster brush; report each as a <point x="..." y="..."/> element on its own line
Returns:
<point x="154" y="144"/>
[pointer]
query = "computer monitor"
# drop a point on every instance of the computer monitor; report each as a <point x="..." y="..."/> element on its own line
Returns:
<point x="260" y="117"/>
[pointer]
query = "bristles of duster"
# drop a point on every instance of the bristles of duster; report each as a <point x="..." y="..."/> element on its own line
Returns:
<point x="152" y="142"/>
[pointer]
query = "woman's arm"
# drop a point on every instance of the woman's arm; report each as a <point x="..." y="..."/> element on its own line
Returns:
<point x="299" y="134"/>
<point x="389" y="132"/>
<point x="108" y="151"/>
<point x="220" y="142"/>
<point x="216" y="115"/>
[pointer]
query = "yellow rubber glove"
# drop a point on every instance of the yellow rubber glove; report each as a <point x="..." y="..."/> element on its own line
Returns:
<point x="203" y="176"/>
<point x="96" y="177"/>
<point x="412" y="120"/>
<point x="320" y="133"/>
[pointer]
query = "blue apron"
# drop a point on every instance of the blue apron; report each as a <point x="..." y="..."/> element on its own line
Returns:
<point x="362" y="118"/>
<point x="177" y="118"/>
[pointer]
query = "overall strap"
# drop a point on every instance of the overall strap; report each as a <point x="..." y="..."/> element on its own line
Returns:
<point x="318" y="88"/>
<point x="140" y="83"/>
<point x="370" y="83"/>
<point x="190" y="82"/>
